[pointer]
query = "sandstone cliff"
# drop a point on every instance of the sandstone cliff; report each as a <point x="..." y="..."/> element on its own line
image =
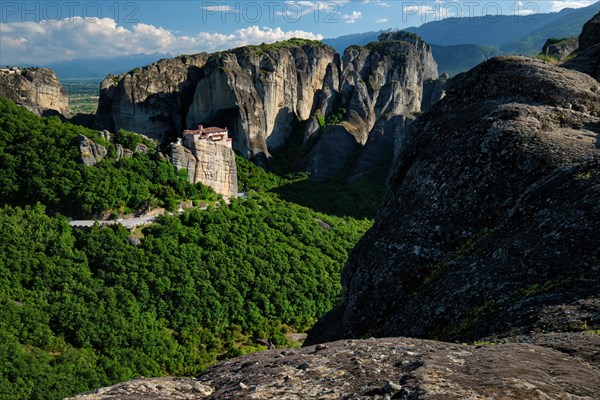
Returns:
<point x="261" y="92"/>
<point x="379" y="82"/>
<point x="212" y="164"/>
<point x="587" y="57"/>
<point x="37" y="89"/>
<point x="152" y="100"/>
<point x="258" y="92"/>
<point x="264" y="94"/>
<point x="492" y="223"/>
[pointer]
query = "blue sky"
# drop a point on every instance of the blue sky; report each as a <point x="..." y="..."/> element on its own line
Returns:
<point x="45" y="31"/>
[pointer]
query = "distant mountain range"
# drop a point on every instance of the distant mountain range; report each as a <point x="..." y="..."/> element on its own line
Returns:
<point x="458" y="43"/>
<point x="98" y="68"/>
<point x="461" y="43"/>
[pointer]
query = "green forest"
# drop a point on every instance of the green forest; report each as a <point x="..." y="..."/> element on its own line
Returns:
<point x="40" y="162"/>
<point x="86" y="308"/>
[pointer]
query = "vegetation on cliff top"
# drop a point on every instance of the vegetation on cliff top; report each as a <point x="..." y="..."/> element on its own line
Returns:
<point x="258" y="50"/>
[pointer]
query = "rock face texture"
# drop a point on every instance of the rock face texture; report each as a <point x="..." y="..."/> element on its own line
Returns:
<point x="152" y="100"/>
<point x="587" y="56"/>
<point x="561" y="367"/>
<point x="493" y="216"/>
<point x="37" y="89"/>
<point x="590" y="35"/>
<point x="260" y="92"/>
<point x="91" y="153"/>
<point x="560" y="49"/>
<point x="433" y="91"/>
<point x="257" y="92"/>
<point x="379" y="82"/>
<point x="210" y="163"/>
<point x="264" y="94"/>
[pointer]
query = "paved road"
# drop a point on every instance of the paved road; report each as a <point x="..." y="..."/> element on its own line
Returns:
<point x="127" y="223"/>
<point x="132" y="222"/>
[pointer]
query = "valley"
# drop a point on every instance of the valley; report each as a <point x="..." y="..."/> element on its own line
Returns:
<point x="83" y="94"/>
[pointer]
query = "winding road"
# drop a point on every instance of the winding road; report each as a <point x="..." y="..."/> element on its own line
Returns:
<point x="132" y="222"/>
<point x="127" y="223"/>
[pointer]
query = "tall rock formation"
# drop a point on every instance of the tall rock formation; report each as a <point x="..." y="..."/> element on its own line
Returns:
<point x="492" y="224"/>
<point x="152" y="100"/>
<point x="265" y="93"/>
<point x="258" y="92"/>
<point x="37" y="89"/>
<point x="207" y="162"/>
<point x="587" y="57"/>
<point x="379" y="82"/>
<point x="261" y="92"/>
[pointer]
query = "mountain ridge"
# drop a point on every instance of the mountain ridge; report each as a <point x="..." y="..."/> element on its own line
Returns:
<point x="461" y="43"/>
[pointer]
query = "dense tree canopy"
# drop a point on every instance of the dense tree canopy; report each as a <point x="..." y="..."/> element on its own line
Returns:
<point x="81" y="309"/>
<point x="40" y="162"/>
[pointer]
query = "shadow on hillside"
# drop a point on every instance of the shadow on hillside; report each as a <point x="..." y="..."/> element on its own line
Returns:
<point x="360" y="199"/>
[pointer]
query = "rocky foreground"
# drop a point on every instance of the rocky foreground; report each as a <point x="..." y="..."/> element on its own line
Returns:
<point x="559" y="367"/>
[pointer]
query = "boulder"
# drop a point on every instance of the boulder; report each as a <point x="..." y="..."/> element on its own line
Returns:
<point x="560" y="49"/>
<point x="560" y="367"/>
<point x="91" y="153"/>
<point x="493" y="217"/>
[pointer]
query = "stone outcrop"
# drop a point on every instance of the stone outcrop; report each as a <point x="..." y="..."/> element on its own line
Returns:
<point x="210" y="163"/>
<point x="258" y="92"/>
<point x="590" y="34"/>
<point x="428" y="64"/>
<point x="91" y="153"/>
<point x="261" y="92"/>
<point x="152" y="100"/>
<point x="264" y="94"/>
<point x="559" y="367"/>
<point x="37" y="89"/>
<point x="560" y="49"/>
<point x="492" y="220"/>
<point x="378" y="83"/>
<point x="433" y="91"/>
<point x="587" y="57"/>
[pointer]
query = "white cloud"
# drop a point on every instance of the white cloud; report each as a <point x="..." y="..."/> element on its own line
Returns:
<point x="44" y="42"/>
<point x="220" y="8"/>
<point x="522" y="8"/>
<point x="377" y="2"/>
<point x="352" y="18"/>
<point x="381" y="21"/>
<point x="561" y="4"/>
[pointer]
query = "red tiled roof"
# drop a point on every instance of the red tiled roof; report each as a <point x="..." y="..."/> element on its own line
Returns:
<point x="205" y="131"/>
<point x="214" y="130"/>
